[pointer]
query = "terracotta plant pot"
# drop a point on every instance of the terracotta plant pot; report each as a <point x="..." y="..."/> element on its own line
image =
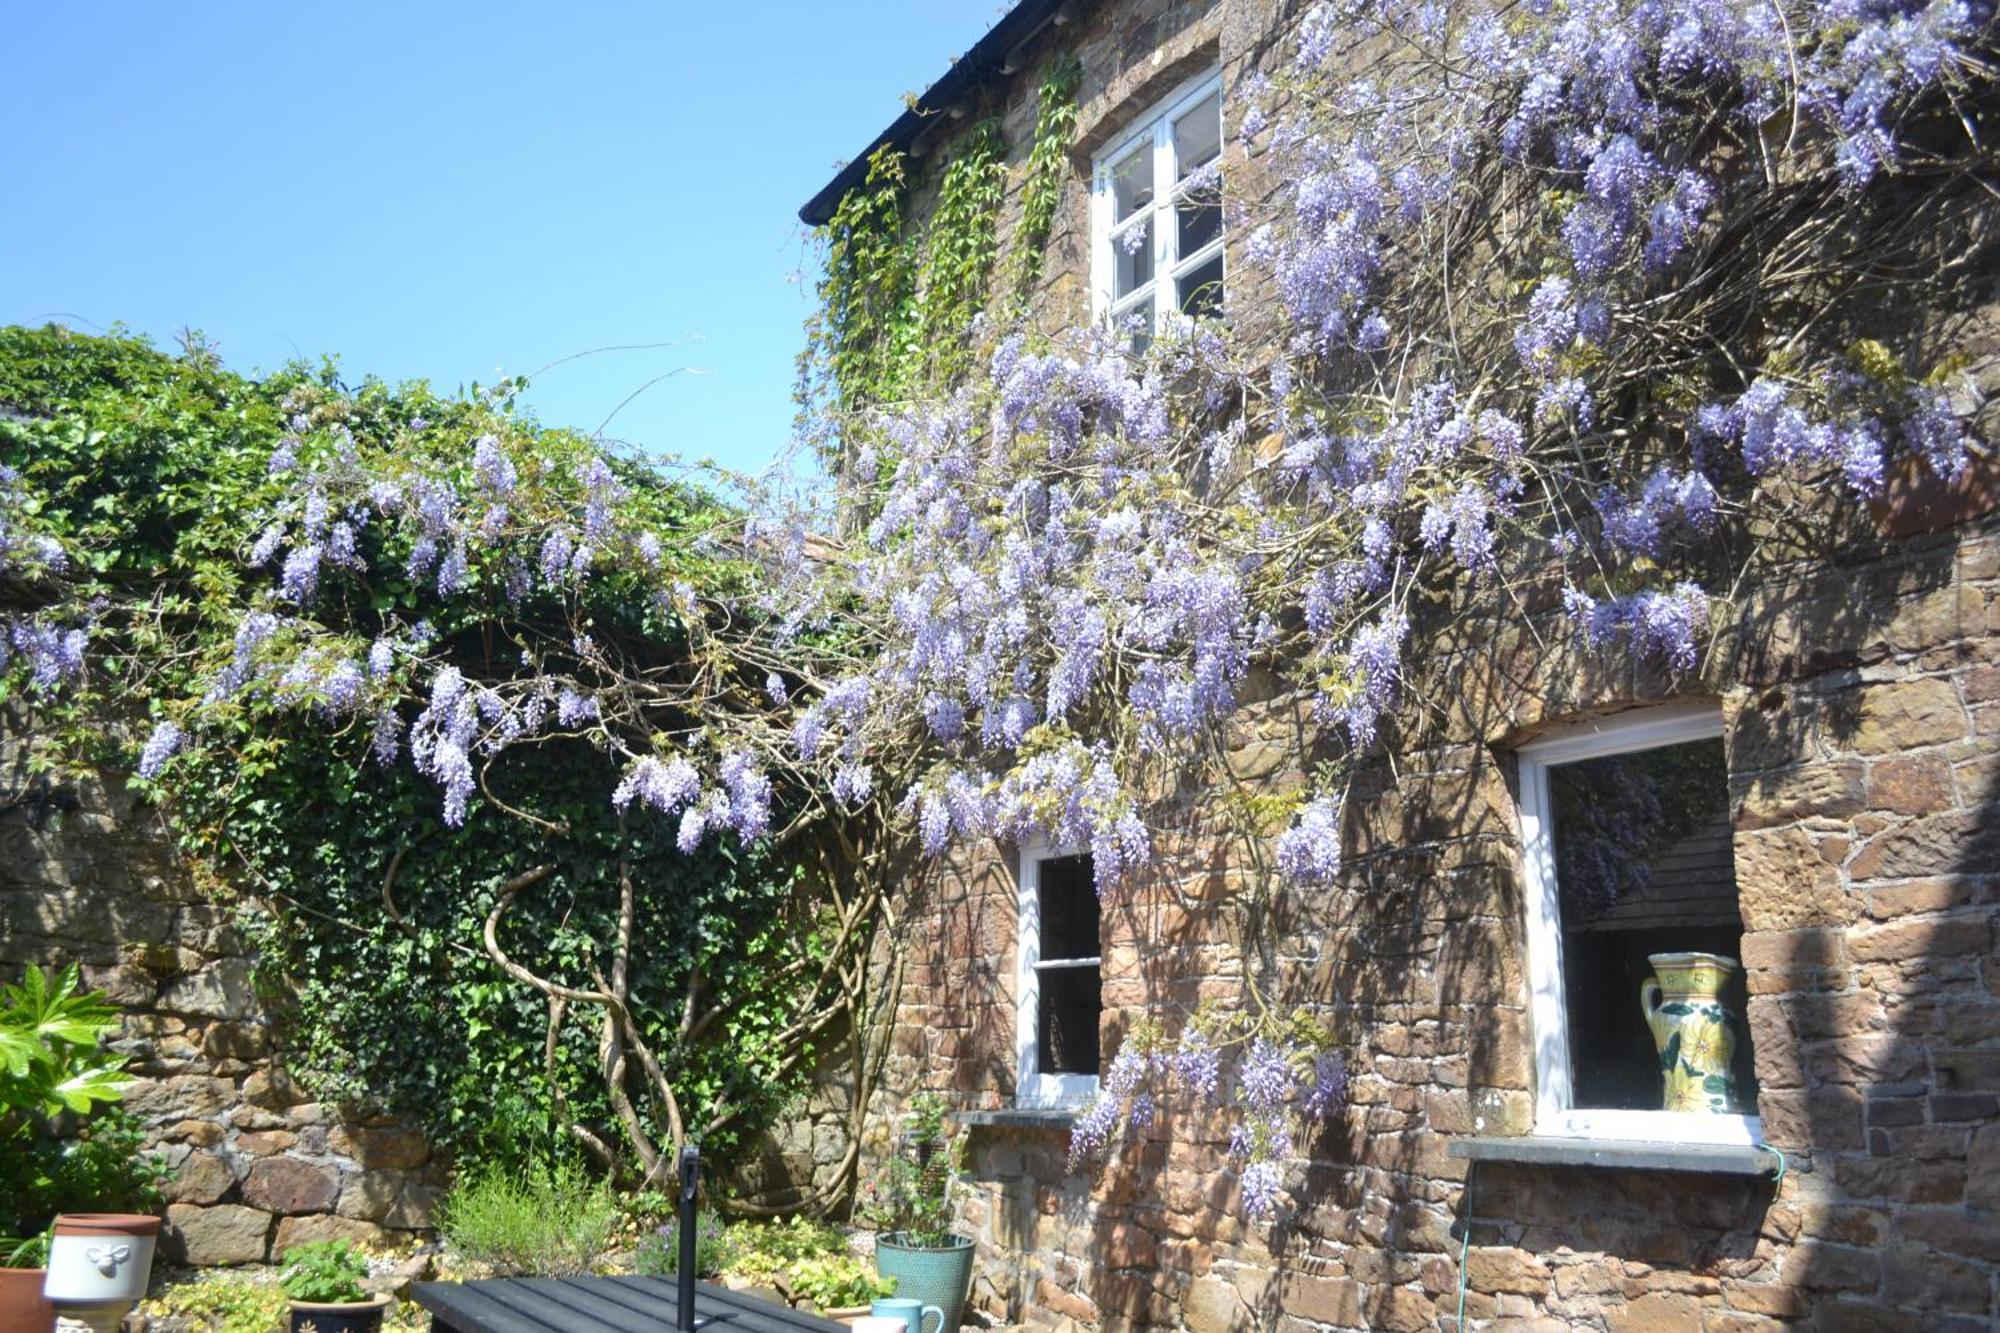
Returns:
<point x="846" y="1314"/>
<point x="339" y="1317"/>
<point x="23" y="1308"/>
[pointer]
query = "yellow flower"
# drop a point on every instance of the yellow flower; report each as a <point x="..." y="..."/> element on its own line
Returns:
<point x="1705" y="1046"/>
<point x="1684" y="1090"/>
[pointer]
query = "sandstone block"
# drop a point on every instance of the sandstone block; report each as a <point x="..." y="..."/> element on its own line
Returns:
<point x="212" y="1237"/>
<point x="288" y="1185"/>
<point x="202" y="1178"/>
<point x="1501" y="1268"/>
<point x="265" y="1142"/>
<point x="1658" y="1312"/>
<point x="1211" y="1307"/>
<point x="394" y="1147"/>
<point x="1903" y="715"/>
<point x="293" y="1231"/>
<point x="181" y="1097"/>
<point x="222" y="990"/>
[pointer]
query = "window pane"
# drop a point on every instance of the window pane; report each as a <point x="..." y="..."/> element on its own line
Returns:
<point x="1199" y="224"/>
<point x="1132" y="258"/>
<point x="1644" y="866"/>
<point x="1069" y="909"/>
<point x="1201" y="289"/>
<point x="1132" y="182"/>
<point x="1071" y="1001"/>
<point x="1198" y="135"/>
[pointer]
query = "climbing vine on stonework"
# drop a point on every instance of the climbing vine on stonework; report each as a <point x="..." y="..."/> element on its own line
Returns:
<point x="1048" y="171"/>
<point x="865" y="328"/>
<point x="959" y="243"/>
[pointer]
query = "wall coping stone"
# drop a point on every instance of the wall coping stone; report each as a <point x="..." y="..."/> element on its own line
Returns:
<point x="1019" y="1117"/>
<point x="1715" y="1159"/>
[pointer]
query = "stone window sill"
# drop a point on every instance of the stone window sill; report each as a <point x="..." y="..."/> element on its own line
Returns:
<point x="1714" y="1159"/>
<point x="1019" y="1117"/>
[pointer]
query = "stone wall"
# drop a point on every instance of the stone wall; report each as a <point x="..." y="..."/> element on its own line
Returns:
<point x="1863" y="736"/>
<point x="1861" y="695"/>
<point x="259" y="1165"/>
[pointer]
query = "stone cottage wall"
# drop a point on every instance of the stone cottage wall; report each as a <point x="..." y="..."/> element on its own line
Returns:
<point x="259" y="1165"/>
<point x="1861" y="695"/>
<point x="1863" y="736"/>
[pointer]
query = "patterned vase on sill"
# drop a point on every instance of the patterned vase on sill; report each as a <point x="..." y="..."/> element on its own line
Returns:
<point x="1693" y="1030"/>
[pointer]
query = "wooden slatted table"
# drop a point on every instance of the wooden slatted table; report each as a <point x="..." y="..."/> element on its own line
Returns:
<point x="601" y="1305"/>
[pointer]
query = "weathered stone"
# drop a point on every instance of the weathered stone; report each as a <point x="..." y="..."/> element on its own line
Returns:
<point x="213" y="1237"/>
<point x="272" y="1089"/>
<point x="224" y="989"/>
<point x="1211" y="1307"/>
<point x="1492" y="1269"/>
<point x="294" y="1231"/>
<point x="202" y="1177"/>
<point x="288" y="1185"/>
<point x="1659" y="1312"/>
<point x="236" y="1041"/>
<point x="393" y="1198"/>
<point x="395" y="1147"/>
<point x="265" y="1142"/>
<point x="181" y="1097"/>
<point x="1904" y="715"/>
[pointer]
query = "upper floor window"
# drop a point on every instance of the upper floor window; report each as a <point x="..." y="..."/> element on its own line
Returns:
<point x="1156" y="221"/>
<point x="1634" y="931"/>
<point x="1057" y="986"/>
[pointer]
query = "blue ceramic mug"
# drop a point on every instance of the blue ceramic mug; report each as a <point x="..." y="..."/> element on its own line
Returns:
<point x="912" y="1313"/>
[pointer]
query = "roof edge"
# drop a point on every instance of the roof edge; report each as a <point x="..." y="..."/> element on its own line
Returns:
<point x="991" y="54"/>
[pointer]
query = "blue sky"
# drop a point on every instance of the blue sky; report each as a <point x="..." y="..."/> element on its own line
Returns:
<point x="447" y="191"/>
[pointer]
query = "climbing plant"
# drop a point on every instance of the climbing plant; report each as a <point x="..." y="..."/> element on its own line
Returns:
<point x="1047" y="176"/>
<point x="958" y="243"/>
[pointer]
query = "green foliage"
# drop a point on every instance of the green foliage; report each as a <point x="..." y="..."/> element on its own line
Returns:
<point x="838" y="1281"/>
<point x="867" y="326"/>
<point x="916" y="1194"/>
<point x="761" y="1251"/>
<point x="552" y="1222"/>
<point x="218" y="1304"/>
<point x="959" y="244"/>
<point x="658" y="1253"/>
<point x="325" y="1272"/>
<point x="49" y="1036"/>
<point x="1048" y="172"/>
<point x="64" y="1144"/>
<point x="154" y="470"/>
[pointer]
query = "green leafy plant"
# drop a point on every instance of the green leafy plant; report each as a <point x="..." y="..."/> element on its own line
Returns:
<point x="553" y="1222"/>
<point x="218" y="1304"/>
<point x="49" y="1037"/>
<point x="326" y="1272"/>
<point x="837" y="1281"/>
<point x="64" y="1143"/>
<point x="25" y="1252"/>
<point x="915" y="1197"/>
<point x="1048" y="172"/>
<point x="762" y="1251"/>
<point x="658" y="1253"/>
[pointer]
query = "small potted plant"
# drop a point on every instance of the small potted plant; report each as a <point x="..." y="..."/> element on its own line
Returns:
<point x="322" y="1279"/>
<point x="23" y="1273"/>
<point x="915" y="1206"/>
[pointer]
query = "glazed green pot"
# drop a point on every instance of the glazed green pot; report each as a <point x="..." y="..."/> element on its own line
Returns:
<point x="1693" y="1030"/>
<point x="940" y="1276"/>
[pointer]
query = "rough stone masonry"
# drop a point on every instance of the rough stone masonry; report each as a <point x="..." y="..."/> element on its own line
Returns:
<point x="259" y="1166"/>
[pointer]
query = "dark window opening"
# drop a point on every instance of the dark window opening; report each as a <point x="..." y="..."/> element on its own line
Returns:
<point x="1644" y="866"/>
<point x="1068" y="969"/>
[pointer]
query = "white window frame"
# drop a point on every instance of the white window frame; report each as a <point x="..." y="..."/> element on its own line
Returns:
<point x="1033" y="1088"/>
<point x="1555" y="1112"/>
<point x="1168" y="267"/>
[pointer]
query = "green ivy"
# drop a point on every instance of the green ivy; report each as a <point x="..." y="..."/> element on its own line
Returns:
<point x="959" y="245"/>
<point x="154" y="467"/>
<point x="1047" y="173"/>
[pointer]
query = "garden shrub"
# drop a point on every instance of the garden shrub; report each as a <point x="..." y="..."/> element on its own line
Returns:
<point x="658" y="1253"/>
<point x="552" y="1222"/>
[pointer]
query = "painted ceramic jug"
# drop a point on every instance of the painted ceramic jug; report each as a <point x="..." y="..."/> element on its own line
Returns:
<point x="1693" y="1030"/>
